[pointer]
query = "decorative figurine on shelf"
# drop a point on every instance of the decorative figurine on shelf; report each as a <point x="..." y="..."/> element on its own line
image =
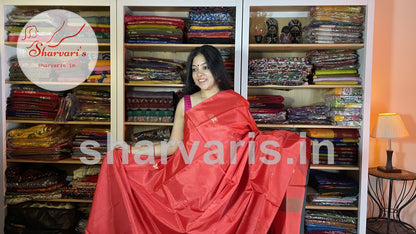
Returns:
<point x="295" y="27"/>
<point x="272" y="31"/>
<point x="259" y="34"/>
<point x="285" y="36"/>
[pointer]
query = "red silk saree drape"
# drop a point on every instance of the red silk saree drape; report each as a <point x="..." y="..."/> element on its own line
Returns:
<point x="208" y="188"/>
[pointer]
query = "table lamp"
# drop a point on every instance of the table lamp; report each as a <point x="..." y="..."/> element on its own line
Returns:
<point x="389" y="126"/>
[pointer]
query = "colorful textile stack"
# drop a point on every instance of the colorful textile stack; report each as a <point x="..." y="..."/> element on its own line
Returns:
<point x="316" y="114"/>
<point x="82" y="183"/>
<point x="267" y="109"/>
<point x="99" y="21"/>
<point x="228" y="59"/>
<point x="346" y="105"/>
<point x="330" y="222"/>
<point x="210" y="25"/>
<point x="154" y="135"/>
<point x="335" y="67"/>
<point x="147" y="106"/>
<point x="31" y="102"/>
<point x="25" y="184"/>
<point x="335" y="24"/>
<point x="16" y="20"/>
<point x="331" y="189"/>
<point x="278" y="71"/>
<point x="98" y="135"/>
<point x="101" y="72"/>
<point x="154" y="29"/>
<point x="15" y="72"/>
<point x="344" y="143"/>
<point x="93" y="105"/>
<point x="154" y="71"/>
<point x="40" y="142"/>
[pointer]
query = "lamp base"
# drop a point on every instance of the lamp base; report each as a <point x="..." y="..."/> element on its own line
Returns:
<point x="388" y="170"/>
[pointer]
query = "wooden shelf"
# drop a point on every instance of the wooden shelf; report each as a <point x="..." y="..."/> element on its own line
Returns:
<point x="305" y="126"/>
<point x="172" y="47"/>
<point x="55" y="122"/>
<point x="63" y="161"/>
<point x="301" y="47"/>
<point x="306" y="86"/>
<point x="315" y="207"/>
<point x="56" y="83"/>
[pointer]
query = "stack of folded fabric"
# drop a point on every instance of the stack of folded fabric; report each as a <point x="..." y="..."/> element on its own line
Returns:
<point x="315" y="114"/>
<point x="82" y="183"/>
<point x="39" y="142"/>
<point x="335" y="67"/>
<point x="32" y="102"/>
<point x="99" y="22"/>
<point x="267" y="109"/>
<point x="98" y="135"/>
<point x="343" y="142"/>
<point x="154" y="70"/>
<point x="93" y="105"/>
<point x="228" y="59"/>
<point x="148" y="106"/>
<point x="331" y="189"/>
<point x="335" y="24"/>
<point x="25" y="184"/>
<point x="346" y="105"/>
<point x="330" y="221"/>
<point x="101" y="72"/>
<point x="210" y="25"/>
<point x="287" y="71"/>
<point x="154" y="29"/>
<point x="16" y="20"/>
<point x="15" y="71"/>
<point x="156" y="135"/>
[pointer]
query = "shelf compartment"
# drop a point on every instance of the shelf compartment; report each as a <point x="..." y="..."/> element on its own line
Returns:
<point x="56" y="83"/>
<point x="301" y="47"/>
<point x="315" y="207"/>
<point x="27" y="121"/>
<point x="148" y="124"/>
<point x="172" y="47"/>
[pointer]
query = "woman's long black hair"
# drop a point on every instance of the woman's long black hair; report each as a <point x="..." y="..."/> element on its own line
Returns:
<point x="215" y="64"/>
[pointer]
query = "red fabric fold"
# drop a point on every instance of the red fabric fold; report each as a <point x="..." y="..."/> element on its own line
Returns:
<point x="176" y="197"/>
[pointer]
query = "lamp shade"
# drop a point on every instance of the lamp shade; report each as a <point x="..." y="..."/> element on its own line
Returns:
<point x="389" y="126"/>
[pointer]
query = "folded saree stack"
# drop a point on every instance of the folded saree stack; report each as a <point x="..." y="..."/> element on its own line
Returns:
<point x="148" y="106"/>
<point x="334" y="67"/>
<point x="335" y="24"/>
<point x="82" y="183"/>
<point x="16" y="20"/>
<point x="32" y="102"/>
<point x="345" y="106"/>
<point x="331" y="189"/>
<point x="101" y="72"/>
<point x="39" y="142"/>
<point x="15" y="71"/>
<point x="146" y="70"/>
<point x="82" y="134"/>
<point x="288" y="71"/>
<point x="210" y="25"/>
<point x="25" y="184"/>
<point x="99" y="22"/>
<point x="314" y="114"/>
<point x="93" y="105"/>
<point x="330" y="221"/>
<point x="267" y="108"/>
<point x="342" y="149"/>
<point x="154" y="29"/>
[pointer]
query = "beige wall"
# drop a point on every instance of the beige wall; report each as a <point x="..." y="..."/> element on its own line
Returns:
<point x="394" y="83"/>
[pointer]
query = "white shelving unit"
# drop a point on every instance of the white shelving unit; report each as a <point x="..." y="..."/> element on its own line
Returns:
<point x="307" y="94"/>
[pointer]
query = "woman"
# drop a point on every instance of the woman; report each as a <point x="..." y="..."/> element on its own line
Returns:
<point x="221" y="177"/>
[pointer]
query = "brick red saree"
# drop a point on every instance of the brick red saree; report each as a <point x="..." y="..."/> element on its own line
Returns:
<point x="240" y="195"/>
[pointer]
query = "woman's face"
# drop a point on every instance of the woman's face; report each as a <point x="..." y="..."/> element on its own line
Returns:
<point x="201" y="74"/>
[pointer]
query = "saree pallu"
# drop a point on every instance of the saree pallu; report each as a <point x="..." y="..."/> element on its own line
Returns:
<point x="214" y="193"/>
